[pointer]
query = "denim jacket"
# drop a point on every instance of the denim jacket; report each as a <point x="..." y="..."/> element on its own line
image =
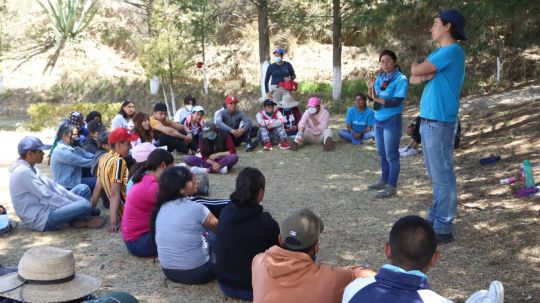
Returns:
<point x="67" y="163"/>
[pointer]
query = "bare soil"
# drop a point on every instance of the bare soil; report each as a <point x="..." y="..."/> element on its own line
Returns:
<point x="498" y="235"/>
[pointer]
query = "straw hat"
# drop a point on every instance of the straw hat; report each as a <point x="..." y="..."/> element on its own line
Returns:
<point x="47" y="275"/>
<point x="287" y="101"/>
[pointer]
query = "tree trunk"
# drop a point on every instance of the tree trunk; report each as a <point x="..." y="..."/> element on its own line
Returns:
<point x="171" y="85"/>
<point x="336" y="51"/>
<point x="264" y="37"/>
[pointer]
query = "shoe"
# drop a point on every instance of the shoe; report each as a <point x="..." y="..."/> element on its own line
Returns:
<point x="409" y="152"/>
<point x="267" y="146"/>
<point x="224" y="170"/>
<point x="328" y="145"/>
<point x="294" y="145"/>
<point x="388" y="192"/>
<point x="494" y="295"/>
<point x="378" y="186"/>
<point x="198" y="170"/>
<point x="444" y="238"/>
<point x="285" y="145"/>
<point x="403" y="149"/>
<point x="252" y="145"/>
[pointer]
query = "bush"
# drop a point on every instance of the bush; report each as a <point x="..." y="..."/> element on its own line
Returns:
<point x="44" y="115"/>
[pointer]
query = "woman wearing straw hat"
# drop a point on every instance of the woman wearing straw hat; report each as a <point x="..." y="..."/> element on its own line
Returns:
<point x="47" y="275"/>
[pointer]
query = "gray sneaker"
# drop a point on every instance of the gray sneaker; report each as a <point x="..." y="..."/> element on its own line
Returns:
<point x="388" y="192"/>
<point x="377" y="186"/>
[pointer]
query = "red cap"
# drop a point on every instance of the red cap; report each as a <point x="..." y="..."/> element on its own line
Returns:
<point x="121" y="134"/>
<point x="231" y="99"/>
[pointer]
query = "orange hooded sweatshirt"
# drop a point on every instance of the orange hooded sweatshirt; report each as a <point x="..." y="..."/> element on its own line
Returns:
<point x="283" y="276"/>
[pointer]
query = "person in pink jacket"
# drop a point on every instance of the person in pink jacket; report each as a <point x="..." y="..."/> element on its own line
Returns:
<point x="313" y="127"/>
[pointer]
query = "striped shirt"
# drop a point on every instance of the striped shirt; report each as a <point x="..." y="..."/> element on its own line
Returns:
<point x="113" y="169"/>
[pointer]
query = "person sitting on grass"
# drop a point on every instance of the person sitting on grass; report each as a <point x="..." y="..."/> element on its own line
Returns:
<point x="142" y="129"/>
<point x="48" y="275"/>
<point x="170" y="133"/>
<point x="69" y="159"/>
<point x="359" y="120"/>
<point x="76" y="120"/>
<point x="93" y="115"/>
<point x="94" y="127"/>
<point x="271" y="123"/>
<point x="140" y="201"/>
<point x="184" y="112"/>
<point x="195" y="123"/>
<point x="42" y="204"/>
<point x="217" y="151"/>
<point x="413" y="130"/>
<point x="291" y="113"/>
<point x="244" y="231"/>
<point x="313" y="127"/>
<point x="180" y="229"/>
<point x="140" y="153"/>
<point x="236" y="123"/>
<point x="411" y="251"/>
<point x="287" y="273"/>
<point x="124" y="118"/>
<point x="112" y="176"/>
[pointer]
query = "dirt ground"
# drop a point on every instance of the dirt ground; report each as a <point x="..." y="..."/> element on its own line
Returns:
<point x="498" y="235"/>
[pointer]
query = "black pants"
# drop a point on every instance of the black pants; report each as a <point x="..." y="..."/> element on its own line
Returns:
<point x="250" y="133"/>
<point x="173" y="143"/>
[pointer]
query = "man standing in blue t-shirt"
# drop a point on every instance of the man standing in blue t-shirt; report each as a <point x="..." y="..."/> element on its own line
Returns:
<point x="443" y="72"/>
<point x="359" y="120"/>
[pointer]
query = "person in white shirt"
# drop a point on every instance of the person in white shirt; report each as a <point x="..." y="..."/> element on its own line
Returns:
<point x="184" y="112"/>
<point x="124" y="119"/>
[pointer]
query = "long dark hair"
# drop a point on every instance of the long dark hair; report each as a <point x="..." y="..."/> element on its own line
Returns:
<point x="122" y="111"/>
<point x="156" y="157"/>
<point x="248" y="184"/>
<point x="171" y="181"/>
<point x="92" y="115"/>
<point x="145" y="135"/>
<point x="219" y="144"/>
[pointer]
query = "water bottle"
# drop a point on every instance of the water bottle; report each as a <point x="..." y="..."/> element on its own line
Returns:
<point x="528" y="176"/>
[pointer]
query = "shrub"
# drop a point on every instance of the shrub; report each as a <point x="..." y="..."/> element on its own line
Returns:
<point x="44" y="115"/>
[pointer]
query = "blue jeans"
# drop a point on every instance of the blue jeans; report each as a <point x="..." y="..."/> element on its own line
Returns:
<point x="236" y="293"/>
<point x="347" y="136"/>
<point x="198" y="275"/>
<point x="438" y="150"/>
<point x="90" y="181"/>
<point x="77" y="211"/>
<point x="142" y="247"/>
<point x="387" y="136"/>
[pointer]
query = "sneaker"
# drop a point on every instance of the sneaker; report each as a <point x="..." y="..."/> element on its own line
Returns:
<point x="328" y="145"/>
<point x="494" y="295"/>
<point x="409" y="152"/>
<point x="444" y="238"/>
<point x="377" y="186"/>
<point x="388" y="192"/>
<point x="198" y="170"/>
<point x="285" y="145"/>
<point x="224" y="170"/>
<point x="252" y="145"/>
<point x="403" y="149"/>
<point x="267" y="146"/>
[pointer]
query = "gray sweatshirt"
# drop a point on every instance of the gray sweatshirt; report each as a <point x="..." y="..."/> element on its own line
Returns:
<point x="35" y="196"/>
<point x="227" y="121"/>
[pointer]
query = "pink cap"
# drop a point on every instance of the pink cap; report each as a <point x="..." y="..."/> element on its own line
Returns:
<point x="314" y="101"/>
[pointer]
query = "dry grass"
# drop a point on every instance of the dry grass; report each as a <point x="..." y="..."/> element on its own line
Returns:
<point x="497" y="234"/>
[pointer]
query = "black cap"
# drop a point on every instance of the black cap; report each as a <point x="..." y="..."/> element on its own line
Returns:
<point x="160" y="107"/>
<point x="269" y="102"/>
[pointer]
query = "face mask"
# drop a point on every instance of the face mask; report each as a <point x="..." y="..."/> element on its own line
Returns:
<point x="75" y="141"/>
<point x="268" y="113"/>
<point x="312" y="110"/>
<point x="212" y="138"/>
<point x="277" y="59"/>
<point x="189" y="107"/>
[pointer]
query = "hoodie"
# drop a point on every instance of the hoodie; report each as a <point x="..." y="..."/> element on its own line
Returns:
<point x="285" y="276"/>
<point x="315" y="124"/>
<point x="243" y="232"/>
<point x="35" y="196"/>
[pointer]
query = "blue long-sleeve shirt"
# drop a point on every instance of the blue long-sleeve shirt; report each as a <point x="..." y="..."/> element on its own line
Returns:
<point x="278" y="72"/>
<point x="67" y="163"/>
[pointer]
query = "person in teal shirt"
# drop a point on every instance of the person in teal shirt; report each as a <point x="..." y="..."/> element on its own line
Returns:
<point x="443" y="73"/>
<point x="359" y="121"/>
<point x="388" y="91"/>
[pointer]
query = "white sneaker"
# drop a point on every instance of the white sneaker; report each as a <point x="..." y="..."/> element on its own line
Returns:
<point x="198" y="155"/>
<point x="224" y="170"/>
<point x="403" y="149"/>
<point x="409" y="152"/>
<point x="198" y="170"/>
<point x="494" y="295"/>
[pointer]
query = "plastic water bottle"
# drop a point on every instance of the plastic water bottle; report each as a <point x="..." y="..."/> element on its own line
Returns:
<point x="528" y="174"/>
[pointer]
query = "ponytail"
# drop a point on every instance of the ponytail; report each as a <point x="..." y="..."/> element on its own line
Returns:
<point x="156" y="157"/>
<point x="248" y="184"/>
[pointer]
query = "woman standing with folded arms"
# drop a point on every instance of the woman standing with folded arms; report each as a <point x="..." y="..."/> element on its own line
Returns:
<point x="388" y="92"/>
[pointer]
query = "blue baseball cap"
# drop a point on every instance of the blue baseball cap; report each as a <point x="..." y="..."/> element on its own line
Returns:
<point x="458" y="21"/>
<point x="29" y="143"/>
<point x="279" y="50"/>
